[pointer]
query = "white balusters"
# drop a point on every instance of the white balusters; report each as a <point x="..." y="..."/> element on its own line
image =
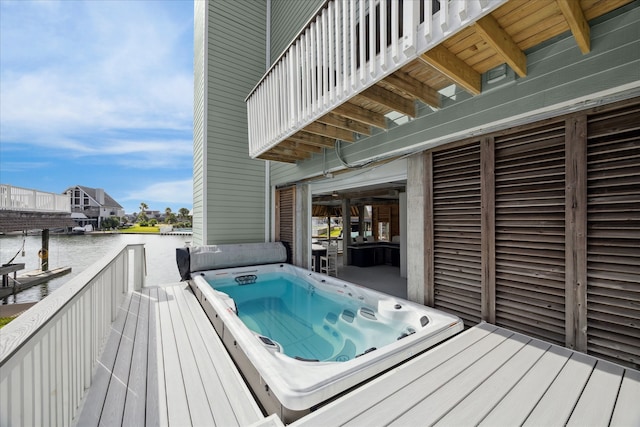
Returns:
<point x="325" y="61"/>
<point x="17" y="198"/>
<point x="383" y="34"/>
<point x="373" y="32"/>
<point x="345" y="48"/>
<point x="444" y="15"/>
<point x="395" y="31"/>
<point x="335" y="57"/>
<point x="427" y="24"/>
<point x="331" y="51"/>
<point x="352" y="50"/>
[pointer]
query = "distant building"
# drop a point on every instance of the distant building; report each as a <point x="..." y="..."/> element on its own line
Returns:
<point x="154" y="215"/>
<point x="94" y="203"/>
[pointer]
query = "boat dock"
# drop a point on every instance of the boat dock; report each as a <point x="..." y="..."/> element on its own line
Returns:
<point x="28" y="280"/>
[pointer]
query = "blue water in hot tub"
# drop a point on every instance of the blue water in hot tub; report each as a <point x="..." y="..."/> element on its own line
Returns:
<point x="307" y="322"/>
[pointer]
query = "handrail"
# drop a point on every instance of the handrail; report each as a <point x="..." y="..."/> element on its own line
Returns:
<point x="25" y="199"/>
<point x="348" y="46"/>
<point x="48" y="354"/>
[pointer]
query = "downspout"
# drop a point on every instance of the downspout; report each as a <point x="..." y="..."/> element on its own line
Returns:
<point x="267" y="163"/>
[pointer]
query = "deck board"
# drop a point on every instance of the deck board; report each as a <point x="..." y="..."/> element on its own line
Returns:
<point x="176" y="396"/>
<point x="203" y="363"/>
<point x="416" y="393"/>
<point x="437" y="404"/>
<point x="188" y="374"/>
<point x="135" y="402"/>
<point x="626" y="412"/>
<point x="212" y="354"/>
<point x="514" y="407"/>
<point x="94" y="402"/>
<point x="156" y="408"/>
<point x="491" y="391"/>
<point x="163" y="364"/>
<point x="117" y="392"/>
<point x="556" y="405"/>
<point x="400" y="377"/>
<point x="488" y="375"/>
<point x="599" y="396"/>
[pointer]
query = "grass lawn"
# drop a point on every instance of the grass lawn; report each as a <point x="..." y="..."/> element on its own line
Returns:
<point x="136" y="229"/>
<point x="5" y="320"/>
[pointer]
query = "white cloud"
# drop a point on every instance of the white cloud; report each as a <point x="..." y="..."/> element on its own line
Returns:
<point x="13" y="167"/>
<point x="112" y="68"/>
<point x="180" y="192"/>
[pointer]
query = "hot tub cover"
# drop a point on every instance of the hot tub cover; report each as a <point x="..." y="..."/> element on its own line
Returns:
<point x="213" y="257"/>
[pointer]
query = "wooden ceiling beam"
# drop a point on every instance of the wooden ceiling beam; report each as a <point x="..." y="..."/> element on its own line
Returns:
<point x="390" y="100"/>
<point x="346" y="123"/>
<point x="363" y="115"/>
<point x="312" y="139"/>
<point x="388" y="193"/>
<point x="329" y="131"/>
<point x="294" y="145"/>
<point x="496" y="37"/>
<point x="415" y="88"/>
<point x="454" y="68"/>
<point x="277" y="158"/>
<point x="287" y="155"/>
<point x="577" y="22"/>
<point x="289" y="152"/>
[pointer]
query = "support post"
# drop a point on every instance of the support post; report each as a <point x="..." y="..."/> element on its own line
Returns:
<point x="140" y="267"/>
<point x="346" y="230"/>
<point x="44" y="251"/>
<point x="419" y="255"/>
<point x="576" y="233"/>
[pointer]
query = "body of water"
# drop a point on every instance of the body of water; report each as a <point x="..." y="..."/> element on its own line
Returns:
<point x="81" y="251"/>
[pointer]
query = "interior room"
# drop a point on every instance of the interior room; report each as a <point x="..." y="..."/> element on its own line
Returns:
<point x="368" y="237"/>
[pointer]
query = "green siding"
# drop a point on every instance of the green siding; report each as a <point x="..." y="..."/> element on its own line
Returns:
<point x="229" y="187"/>
<point x="557" y="73"/>
<point x="198" y="121"/>
<point x="287" y="19"/>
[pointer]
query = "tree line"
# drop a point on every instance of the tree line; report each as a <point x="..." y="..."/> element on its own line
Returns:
<point x="181" y="219"/>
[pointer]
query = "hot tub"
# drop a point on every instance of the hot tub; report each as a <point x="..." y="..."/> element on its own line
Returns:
<point x="302" y="338"/>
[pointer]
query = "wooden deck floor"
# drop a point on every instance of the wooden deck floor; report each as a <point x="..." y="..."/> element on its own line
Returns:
<point x="163" y="364"/>
<point x="494" y="377"/>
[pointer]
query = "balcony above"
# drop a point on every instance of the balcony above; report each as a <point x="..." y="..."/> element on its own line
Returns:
<point x="337" y="81"/>
<point x="28" y="200"/>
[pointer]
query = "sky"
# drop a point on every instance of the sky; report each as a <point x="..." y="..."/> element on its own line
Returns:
<point x="98" y="93"/>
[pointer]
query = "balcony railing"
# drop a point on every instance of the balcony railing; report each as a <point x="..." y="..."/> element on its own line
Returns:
<point x="49" y="353"/>
<point x="24" y="199"/>
<point x="349" y="46"/>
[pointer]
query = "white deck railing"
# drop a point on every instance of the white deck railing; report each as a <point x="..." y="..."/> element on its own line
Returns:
<point x="24" y="199"/>
<point x="49" y="353"/>
<point x="335" y="57"/>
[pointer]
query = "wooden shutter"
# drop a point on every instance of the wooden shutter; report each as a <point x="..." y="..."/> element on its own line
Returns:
<point x="530" y="231"/>
<point x="613" y="235"/>
<point x="286" y="218"/>
<point x="457" y="231"/>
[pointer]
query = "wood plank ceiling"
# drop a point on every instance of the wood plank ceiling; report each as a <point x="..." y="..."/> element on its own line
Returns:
<point x="500" y="37"/>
